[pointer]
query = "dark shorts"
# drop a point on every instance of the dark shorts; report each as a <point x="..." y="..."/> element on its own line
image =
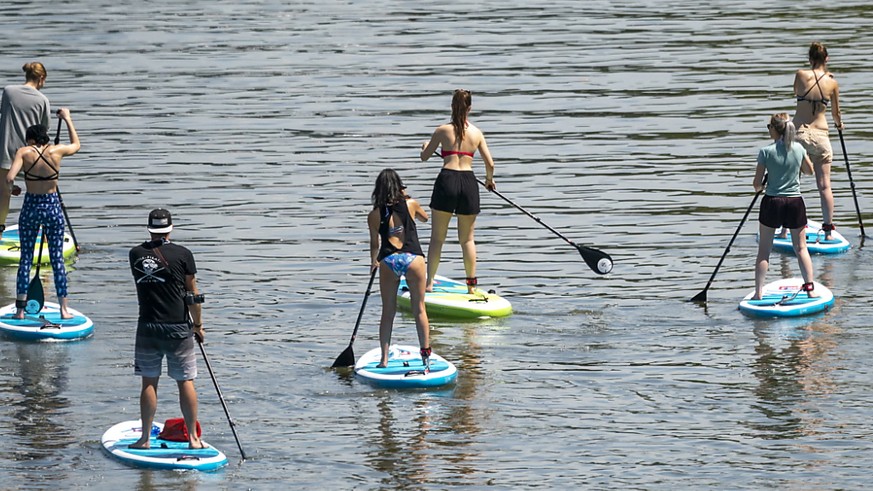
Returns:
<point x="154" y="341"/>
<point x="456" y="191"/>
<point x="780" y="211"/>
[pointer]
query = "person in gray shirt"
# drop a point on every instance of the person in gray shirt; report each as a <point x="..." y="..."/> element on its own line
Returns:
<point x="21" y="107"/>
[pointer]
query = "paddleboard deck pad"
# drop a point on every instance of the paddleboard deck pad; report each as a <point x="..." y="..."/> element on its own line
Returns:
<point x="815" y="241"/>
<point x="10" y="248"/>
<point x="46" y="325"/>
<point x="785" y="298"/>
<point x="450" y="299"/>
<point x="405" y="369"/>
<point x="163" y="454"/>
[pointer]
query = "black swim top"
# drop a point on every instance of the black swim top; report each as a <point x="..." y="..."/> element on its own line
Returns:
<point x="35" y="177"/>
<point x="401" y="218"/>
<point x="824" y="101"/>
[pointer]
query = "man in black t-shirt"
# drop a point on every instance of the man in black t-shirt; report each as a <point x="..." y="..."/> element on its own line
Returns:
<point x="164" y="276"/>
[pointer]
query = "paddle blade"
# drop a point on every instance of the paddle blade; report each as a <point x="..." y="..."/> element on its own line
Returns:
<point x="599" y="261"/>
<point x="35" y="296"/>
<point x="700" y="297"/>
<point x="345" y="359"/>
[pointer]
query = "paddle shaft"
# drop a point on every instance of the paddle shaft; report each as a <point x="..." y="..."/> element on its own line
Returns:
<point x="220" y="396"/>
<point x="851" y="182"/>
<point x="701" y="297"/>
<point x="363" y="304"/>
<point x="60" y="198"/>
<point x="599" y="261"/>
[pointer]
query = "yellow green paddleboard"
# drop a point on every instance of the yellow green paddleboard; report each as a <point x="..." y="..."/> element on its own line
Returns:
<point x="10" y="248"/>
<point x="450" y="299"/>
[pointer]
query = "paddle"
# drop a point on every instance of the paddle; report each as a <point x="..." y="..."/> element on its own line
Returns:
<point x="218" y="390"/>
<point x="701" y="297"/>
<point x="35" y="299"/>
<point x="599" y="261"/>
<point x="347" y="357"/>
<point x="851" y="182"/>
<point x="61" y="199"/>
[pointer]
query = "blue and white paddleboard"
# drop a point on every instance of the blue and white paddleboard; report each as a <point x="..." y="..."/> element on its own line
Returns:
<point x="784" y="298"/>
<point x="405" y="369"/>
<point x="450" y="299"/>
<point x="46" y="325"/>
<point x="163" y="454"/>
<point x="815" y="241"/>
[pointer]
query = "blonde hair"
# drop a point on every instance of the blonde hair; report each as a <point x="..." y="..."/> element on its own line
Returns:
<point x="33" y="71"/>
<point x="784" y="127"/>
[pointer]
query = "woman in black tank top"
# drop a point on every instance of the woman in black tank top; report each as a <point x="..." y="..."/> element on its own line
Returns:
<point x="395" y="250"/>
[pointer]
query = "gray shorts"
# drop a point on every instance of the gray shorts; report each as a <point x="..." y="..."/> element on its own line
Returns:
<point x="152" y="346"/>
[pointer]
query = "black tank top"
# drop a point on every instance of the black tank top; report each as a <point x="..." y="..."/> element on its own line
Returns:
<point x="410" y="234"/>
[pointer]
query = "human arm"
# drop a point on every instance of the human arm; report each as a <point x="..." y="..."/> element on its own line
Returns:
<point x="806" y="165"/>
<point x="489" y="164"/>
<point x="429" y="147"/>
<point x="17" y="163"/>
<point x="835" y="106"/>
<point x="758" y="182"/>
<point x="72" y="147"/>
<point x="798" y="82"/>
<point x="417" y="211"/>
<point x="196" y="309"/>
<point x="373" y="224"/>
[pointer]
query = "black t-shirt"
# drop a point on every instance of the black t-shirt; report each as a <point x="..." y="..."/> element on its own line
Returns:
<point x="160" y="286"/>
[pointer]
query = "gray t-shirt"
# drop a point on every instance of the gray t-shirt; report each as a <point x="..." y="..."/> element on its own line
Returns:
<point x="21" y="106"/>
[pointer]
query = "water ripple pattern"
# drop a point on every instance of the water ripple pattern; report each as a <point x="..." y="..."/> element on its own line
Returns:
<point x="631" y="127"/>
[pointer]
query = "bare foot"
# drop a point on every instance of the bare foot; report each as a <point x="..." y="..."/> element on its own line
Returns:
<point x="66" y="315"/>
<point x="812" y="294"/>
<point x="382" y="364"/>
<point x="196" y="444"/>
<point x="141" y="444"/>
<point x="19" y="314"/>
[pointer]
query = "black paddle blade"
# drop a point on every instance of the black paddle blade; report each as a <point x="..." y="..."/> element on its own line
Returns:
<point x="35" y="296"/>
<point x="599" y="261"/>
<point x="700" y="297"/>
<point x="345" y="359"/>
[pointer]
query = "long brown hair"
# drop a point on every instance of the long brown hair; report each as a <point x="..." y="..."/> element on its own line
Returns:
<point x="461" y="101"/>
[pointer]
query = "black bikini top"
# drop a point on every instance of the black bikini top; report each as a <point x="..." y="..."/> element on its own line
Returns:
<point x="824" y="101"/>
<point x="35" y="177"/>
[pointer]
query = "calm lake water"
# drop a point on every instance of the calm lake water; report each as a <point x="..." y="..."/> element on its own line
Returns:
<point x="628" y="126"/>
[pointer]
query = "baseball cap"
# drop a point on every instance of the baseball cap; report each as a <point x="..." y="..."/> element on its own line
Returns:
<point x="160" y="221"/>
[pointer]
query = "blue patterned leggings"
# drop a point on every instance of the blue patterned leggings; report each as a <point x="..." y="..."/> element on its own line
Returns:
<point x="45" y="210"/>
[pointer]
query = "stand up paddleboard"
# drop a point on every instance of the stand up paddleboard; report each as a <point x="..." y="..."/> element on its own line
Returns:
<point x="815" y="241"/>
<point x="46" y="325"/>
<point x="450" y="299"/>
<point x="163" y="454"/>
<point x="405" y="369"/>
<point x="784" y="298"/>
<point x="10" y="248"/>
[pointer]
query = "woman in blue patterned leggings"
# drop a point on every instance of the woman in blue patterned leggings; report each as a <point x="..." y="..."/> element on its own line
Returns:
<point x="41" y="163"/>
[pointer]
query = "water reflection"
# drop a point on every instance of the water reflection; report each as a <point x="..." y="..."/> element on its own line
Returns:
<point x="794" y="367"/>
<point x="33" y="381"/>
<point x="433" y="425"/>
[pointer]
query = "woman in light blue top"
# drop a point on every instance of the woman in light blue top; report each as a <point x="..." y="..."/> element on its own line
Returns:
<point x="782" y="206"/>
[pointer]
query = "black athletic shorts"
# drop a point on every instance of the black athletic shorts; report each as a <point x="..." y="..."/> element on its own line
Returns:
<point x="782" y="211"/>
<point x="456" y="191"/>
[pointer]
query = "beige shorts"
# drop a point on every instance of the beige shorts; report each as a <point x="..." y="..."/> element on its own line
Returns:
<point x="817" y="144"/>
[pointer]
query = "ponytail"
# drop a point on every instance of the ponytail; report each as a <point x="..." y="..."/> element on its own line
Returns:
<point x="461" y="101"/>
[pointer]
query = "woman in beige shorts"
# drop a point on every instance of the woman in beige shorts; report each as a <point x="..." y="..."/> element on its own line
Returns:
<point x="817" y="89"/>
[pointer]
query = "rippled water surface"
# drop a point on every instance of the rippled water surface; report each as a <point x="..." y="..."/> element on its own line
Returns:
<point x="628" y="126"/>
